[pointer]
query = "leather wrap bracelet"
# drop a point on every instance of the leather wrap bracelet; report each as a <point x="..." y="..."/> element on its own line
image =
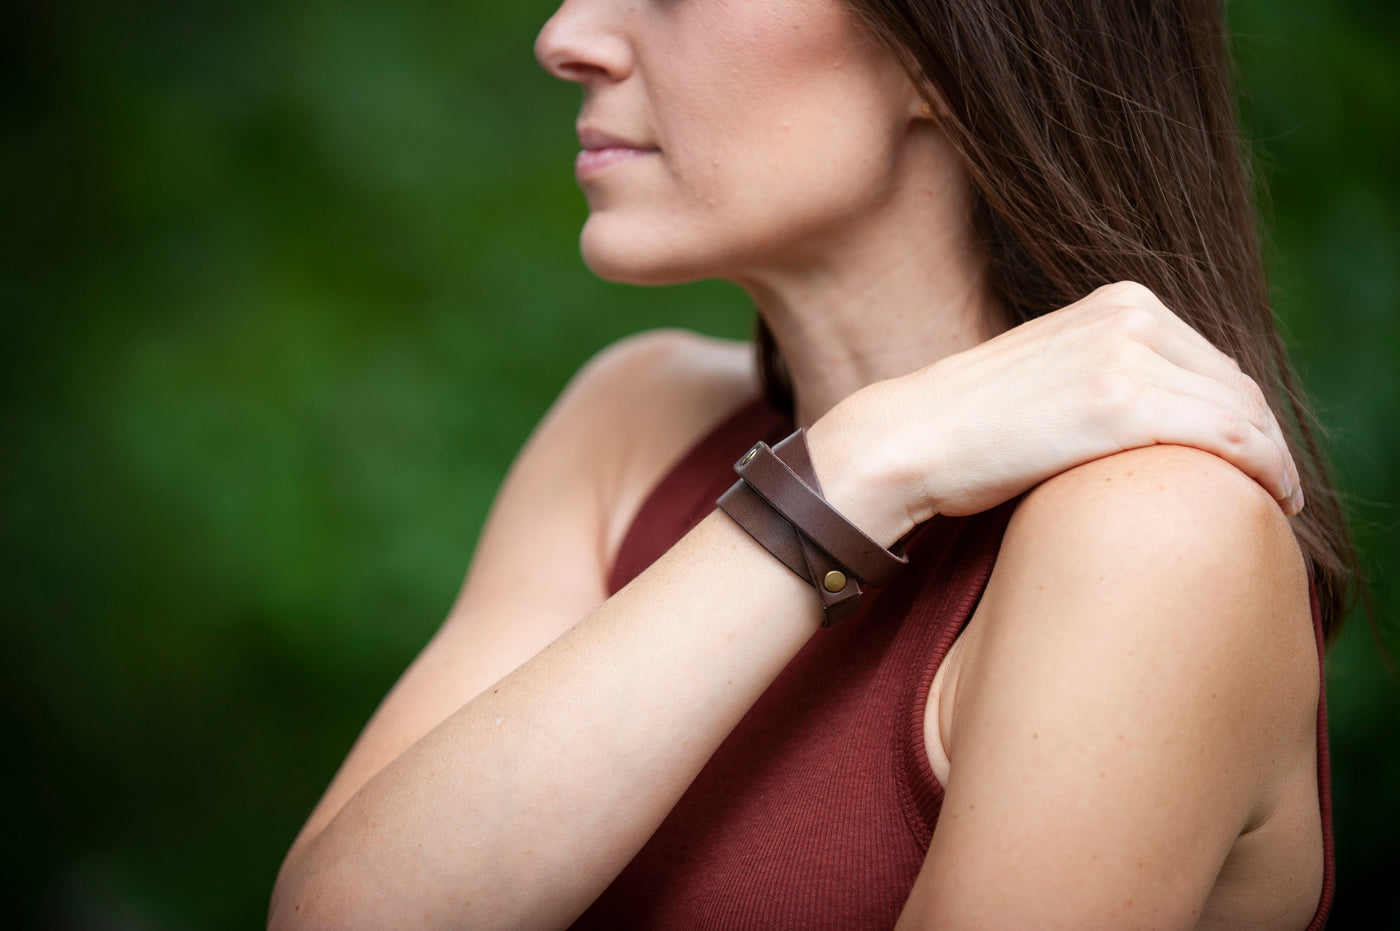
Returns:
<point x="778" y="501"/>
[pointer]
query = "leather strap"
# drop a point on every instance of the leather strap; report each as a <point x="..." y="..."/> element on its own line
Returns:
<point x="766" y="526"/>
<point x="804" y="507"/>
<point x="804" y="558"/>
<point x="793" y="482"/>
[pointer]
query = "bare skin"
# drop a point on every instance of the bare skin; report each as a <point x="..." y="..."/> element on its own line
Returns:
<point x="1133" y="699"/>
<point x="547" y="729"/>
<point x="402" y="814"/>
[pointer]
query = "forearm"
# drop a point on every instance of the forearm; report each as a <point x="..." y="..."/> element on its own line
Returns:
<point x="524" y="804"/>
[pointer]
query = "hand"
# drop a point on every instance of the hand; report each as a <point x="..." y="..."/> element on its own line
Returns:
<point x="1114" y="371"/>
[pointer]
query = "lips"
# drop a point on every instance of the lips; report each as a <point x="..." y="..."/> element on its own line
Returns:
<point x="591" y="137"/>
<point x="602" y="150"/>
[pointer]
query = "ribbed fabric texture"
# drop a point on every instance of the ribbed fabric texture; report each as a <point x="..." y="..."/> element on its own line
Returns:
<point x="817" y="811"/>
<point x="1324" y="776"/>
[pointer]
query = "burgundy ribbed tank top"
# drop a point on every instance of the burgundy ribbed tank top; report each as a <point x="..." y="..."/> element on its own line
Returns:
<point x="816" y="812"/>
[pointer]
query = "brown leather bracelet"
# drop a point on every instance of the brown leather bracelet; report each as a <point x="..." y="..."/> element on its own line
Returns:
<point x="778" y="502"/>
<point x="838" y="592"/>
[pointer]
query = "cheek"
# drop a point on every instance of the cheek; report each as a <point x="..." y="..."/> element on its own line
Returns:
<point x="793" y="113"/>
<point x="731" y="80"/>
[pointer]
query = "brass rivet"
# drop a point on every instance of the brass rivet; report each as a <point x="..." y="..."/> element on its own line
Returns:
<point x="834" y="581"/>
<point x="748" y="456"/>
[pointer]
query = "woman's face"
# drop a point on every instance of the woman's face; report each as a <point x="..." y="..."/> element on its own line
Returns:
<point x="725" y="136"/>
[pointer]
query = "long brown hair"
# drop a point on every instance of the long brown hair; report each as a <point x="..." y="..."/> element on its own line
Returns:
<point x="1101" y="136"/>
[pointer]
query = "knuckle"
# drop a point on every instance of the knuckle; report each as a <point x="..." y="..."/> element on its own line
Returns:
<point x="1234" y="428"/>
<point x="1129" y="292"/>
<point x="1255" y="404"/>
<point x="1259" y="400"/>
<point x="1134" y="321"/>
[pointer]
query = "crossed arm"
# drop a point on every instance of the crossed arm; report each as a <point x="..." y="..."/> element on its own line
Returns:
<point x="519" y="738"/>
<point x="484" y="795"/>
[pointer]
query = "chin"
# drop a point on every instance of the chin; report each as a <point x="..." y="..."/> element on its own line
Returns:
<point x="624" y="253"/>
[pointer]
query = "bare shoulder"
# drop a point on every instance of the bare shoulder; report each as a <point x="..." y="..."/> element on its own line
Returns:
<point x="672" y="379"/>
<point x="1163" y="516"/>
<point x="1134" y="696"/>
<point x="1194" y="552"/>
<point x="1170" y="489"/>
<point x="625" y="414"/>
<point x="647" y="399"/>
<point x="640" y="400"/>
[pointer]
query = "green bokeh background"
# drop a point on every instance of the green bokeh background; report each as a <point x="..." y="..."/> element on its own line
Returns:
<point x="285" y="285"/>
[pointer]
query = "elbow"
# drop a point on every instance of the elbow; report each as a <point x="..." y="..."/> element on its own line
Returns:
<point x="289" y="894"/>
<point x="284" y="914"/>
<point x="316" y="904"/>
<point x="306" y="895"/>
<point x="342" y="888"/>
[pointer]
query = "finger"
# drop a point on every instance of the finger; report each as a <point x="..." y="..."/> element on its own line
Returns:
<point x="1131" y="296"/>
<point x="1133" y="314"/>
<point x="1157" y="328"/>
<point x="1189" y="334"/>
<point x="1179" y="342"/>
<point x="1236" y="392"/>
<point x="1170" y="417"/>
<point x="1145" y="318"/>
<point x="1223" y="379"/>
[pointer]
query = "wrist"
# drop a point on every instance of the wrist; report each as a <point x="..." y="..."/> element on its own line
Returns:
<point x="863" y="470"/>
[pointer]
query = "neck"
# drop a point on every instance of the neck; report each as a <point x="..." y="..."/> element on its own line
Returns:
<point x="897" y="292"/>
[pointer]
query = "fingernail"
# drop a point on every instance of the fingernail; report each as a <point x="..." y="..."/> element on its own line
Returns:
<point x="1298" y="501"/>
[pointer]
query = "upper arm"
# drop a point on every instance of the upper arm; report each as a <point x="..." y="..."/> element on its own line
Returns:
<point x="542" y="559"/>
<point x="1138" y="672"/>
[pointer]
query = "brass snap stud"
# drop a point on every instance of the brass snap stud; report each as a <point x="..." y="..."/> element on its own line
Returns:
<point x="834" y="581"/>
<point x="748" y="456"/>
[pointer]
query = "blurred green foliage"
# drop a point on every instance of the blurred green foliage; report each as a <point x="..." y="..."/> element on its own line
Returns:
<point x="284" y="287"/>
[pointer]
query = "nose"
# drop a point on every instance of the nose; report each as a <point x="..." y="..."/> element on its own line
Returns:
<point x="583" y="41"/>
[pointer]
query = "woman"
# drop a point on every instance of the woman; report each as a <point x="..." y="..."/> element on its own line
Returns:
<point x="1097" y="704"/>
